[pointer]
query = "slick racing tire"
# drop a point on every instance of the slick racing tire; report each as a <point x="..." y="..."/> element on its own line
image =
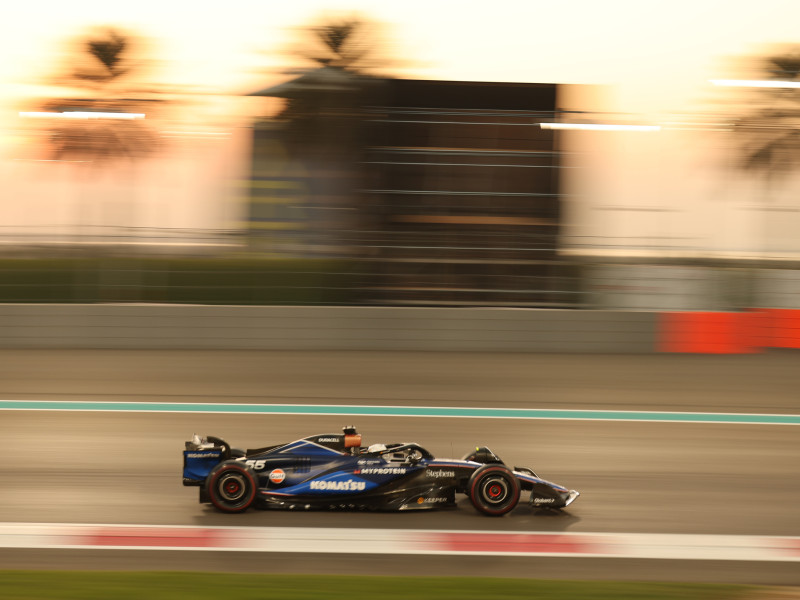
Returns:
<point x="231" y="487"/>
<point x="493" y="490"/>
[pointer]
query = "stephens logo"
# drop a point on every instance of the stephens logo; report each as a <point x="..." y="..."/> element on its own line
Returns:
<point x="277" y="476"/>
<point x="440" y="474"/>
<point x="339" y="486"/>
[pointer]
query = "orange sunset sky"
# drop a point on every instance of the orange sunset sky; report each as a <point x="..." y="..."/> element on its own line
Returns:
<point x="652" y="60"/>
<point x="657" y="55"/>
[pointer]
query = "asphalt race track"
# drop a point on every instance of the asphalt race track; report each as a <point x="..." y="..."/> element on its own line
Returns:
<point x="634" y="477"/>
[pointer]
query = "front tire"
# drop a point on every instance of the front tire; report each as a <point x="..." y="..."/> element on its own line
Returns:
<point x="493" y="490"/>
<point x="231" y="487"/>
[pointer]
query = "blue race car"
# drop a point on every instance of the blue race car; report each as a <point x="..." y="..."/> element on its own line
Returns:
<point x="334" y="471"/>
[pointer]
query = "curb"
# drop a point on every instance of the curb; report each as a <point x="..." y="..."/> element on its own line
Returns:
<point x="400" y="541"/>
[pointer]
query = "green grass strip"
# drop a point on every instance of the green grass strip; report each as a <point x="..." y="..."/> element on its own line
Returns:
<point x="74" y="585"/>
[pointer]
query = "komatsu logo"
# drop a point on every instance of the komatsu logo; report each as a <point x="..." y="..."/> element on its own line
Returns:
<point x="438" y="474"/>
<point x="202" y="454"/>
<point x="339" y="486"/>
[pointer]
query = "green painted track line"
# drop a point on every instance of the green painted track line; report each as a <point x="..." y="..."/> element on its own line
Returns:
<point x="402" y="411"/>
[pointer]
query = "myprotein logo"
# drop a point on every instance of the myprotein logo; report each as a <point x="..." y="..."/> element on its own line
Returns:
<point x="440" y="474"/>
<point x="384" y="471"/>
<point x="277" y="476"/>
<point x="348" y="485"/>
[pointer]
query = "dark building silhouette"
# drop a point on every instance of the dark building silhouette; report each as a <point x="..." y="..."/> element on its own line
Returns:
<point x="455" y="197"/>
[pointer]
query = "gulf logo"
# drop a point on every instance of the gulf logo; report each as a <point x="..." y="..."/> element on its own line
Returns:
<point x="277" y="476"/>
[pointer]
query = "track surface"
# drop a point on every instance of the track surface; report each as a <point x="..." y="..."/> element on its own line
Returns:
<point x="634" y="477"/>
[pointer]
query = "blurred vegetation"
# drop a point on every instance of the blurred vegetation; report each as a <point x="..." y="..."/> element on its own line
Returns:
<point x="100" y="77"/>
<point x="68" y="585"/>
<point x="770" y="121"/>
<point x="322" y="109"/>
<point x="343" y="43"/>
<point x="179" y="280"/>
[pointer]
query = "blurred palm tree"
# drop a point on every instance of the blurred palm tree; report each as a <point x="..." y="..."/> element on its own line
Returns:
<point x="100" y="78"/>
<point x="321" y="104"/>
<point x="109" y="53"/>
<point x="344" y="44"/>
<point x="771" y="122"/>
<point x="101" y="74"/>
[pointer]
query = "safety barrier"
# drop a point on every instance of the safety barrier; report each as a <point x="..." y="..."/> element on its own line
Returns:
<point x="395" y="328"/>
<point x="728" y="332"/>
<point x="325" y="328"/>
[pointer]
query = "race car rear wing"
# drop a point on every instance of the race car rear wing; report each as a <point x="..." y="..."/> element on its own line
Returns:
<point x="200" y="455"/>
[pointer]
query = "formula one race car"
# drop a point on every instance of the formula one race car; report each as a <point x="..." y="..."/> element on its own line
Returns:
<point x="333" y="471"/>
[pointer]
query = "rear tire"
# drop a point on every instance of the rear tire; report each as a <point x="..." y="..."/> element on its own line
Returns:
<point x="493" y="490"/>
<point x="231" y="487"/>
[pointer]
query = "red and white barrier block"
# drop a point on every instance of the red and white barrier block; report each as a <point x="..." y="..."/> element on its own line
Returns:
<point x="397" y="541"/>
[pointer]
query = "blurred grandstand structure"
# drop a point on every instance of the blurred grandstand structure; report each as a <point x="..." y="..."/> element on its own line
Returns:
<point x="451" y="198"/>
<point x="387" y="192"/>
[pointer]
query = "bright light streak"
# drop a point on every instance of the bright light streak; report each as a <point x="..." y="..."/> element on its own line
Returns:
<point x="755" y="83"/>
<point x="82" y="115"/>
<point x="599" y="127"/>
<point x="187" y="133"/>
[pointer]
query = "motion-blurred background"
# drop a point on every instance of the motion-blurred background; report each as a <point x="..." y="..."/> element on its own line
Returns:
<point x="523" y="154"/>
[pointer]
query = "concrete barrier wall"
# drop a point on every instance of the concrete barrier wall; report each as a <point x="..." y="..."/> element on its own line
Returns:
<point x="654" y="287"/>
<point x="326" y="328"/>
<point x="778" y="288"/>
<point x="690" y="288"/>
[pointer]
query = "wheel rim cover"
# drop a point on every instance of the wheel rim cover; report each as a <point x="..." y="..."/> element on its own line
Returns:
<point x="495" y="490"/>
<point x="232" y="487"/>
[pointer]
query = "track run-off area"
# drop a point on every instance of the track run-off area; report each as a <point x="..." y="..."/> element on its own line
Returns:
<point x="687" y="465"/>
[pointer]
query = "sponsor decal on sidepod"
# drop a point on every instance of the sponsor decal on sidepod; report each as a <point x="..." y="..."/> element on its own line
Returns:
<point x="438" y="474"/>
<point x="383" y="471"/>
<point x="348" y="485"/>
